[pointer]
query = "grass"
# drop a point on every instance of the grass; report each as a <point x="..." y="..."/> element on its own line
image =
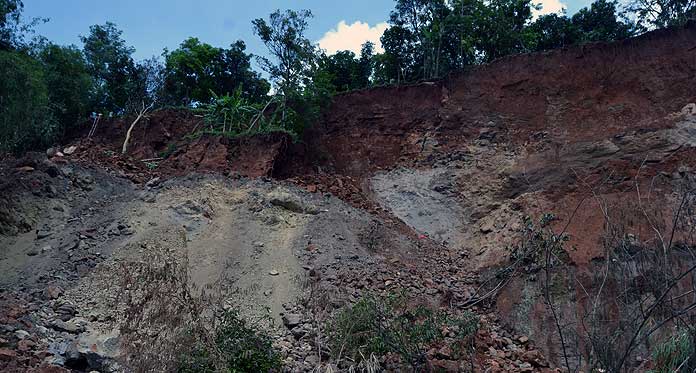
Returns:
<point x="676" y="354"/>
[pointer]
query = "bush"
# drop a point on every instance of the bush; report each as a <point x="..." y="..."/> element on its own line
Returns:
<point x="376" y="326"/>
<point x="239" y="347"/>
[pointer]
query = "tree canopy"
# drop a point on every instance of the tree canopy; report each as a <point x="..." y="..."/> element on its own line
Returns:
<point x="195" y="71"/>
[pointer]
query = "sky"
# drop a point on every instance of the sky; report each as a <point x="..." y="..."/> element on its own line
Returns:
<point x="151" y="25"/>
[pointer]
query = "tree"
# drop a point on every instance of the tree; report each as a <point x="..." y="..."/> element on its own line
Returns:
<point x="68" y="83"/>
<point x="117" y="77"/>
<point x="466" y="22"/>
<point x="152" y="75"/>
<point x="662" y="13"/>
<point x="284" y="36"/>
<point x="554" y="31"/>
<point x="430" y="38"/>
<point x="344" y="71"/>
<point x="341" y="69"/>
<point x="25" y="119"/>
<point x="398" y="63"/>
<point x="13" y="28"/>
<point x="421" y="26"/>
<point x="196" y="70"/>
<point x="503" y="28"/>
<point x="600" y="22"/>
<point x="365" y="65"/>
<point x="10" y="15"/>
<point x="302" y="88"/>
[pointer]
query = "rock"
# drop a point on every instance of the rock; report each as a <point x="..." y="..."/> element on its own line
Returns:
<point x="523" y="339"/>
<point x="298" y="332"/>
<point x="444" y="353"/>
<point x="65" y="312"/>
<point x="599" y="149"/>
<point x="50" y="152"/>
<point x="46" y="248"/>
<point x="534" y="357"/>
<point x="69" y="150"/>
<point x="492" y="351"/>
<point x="33" y="252"/>
<point x="273" y="273"/>
<point x="153" y="182"/>
<point x="52" y="171"/>
<point x="69" y="327"/>
<point x="291" y="320"/>
<point x="21" y="334"/>
<point x="189" y="208"/>
<point x="291" y="203"/>
<point x="148" y="197"/>
<point x="25" y="169"/>
<point x="41" y="234"/>
<point x="7" y="354"/>
<point x="525" y="366"/>
<point x="53" y="292"/>
<point x="444" y="366"/>
<point x="25" y="344"/>
<point x="127" y="231"/>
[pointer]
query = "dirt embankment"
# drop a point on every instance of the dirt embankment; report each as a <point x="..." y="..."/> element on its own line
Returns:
<point x="164" y="144"/>
<point x="583" y="133"/>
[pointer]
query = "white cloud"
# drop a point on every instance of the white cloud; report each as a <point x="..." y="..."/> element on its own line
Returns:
<point x="548" y="7"/>
<point x="352" y="37"/>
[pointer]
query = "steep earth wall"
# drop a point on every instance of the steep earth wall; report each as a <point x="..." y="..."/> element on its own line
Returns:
<point x="594" y="134"/>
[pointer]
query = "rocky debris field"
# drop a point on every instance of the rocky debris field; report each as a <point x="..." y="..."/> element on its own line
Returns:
<point x="265" y="247"/>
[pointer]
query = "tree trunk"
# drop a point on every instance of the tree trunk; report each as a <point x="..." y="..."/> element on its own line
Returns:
<point x="130" y="129"/>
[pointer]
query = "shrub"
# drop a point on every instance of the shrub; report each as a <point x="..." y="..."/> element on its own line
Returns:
<point x="240" y="346"/>
<point x="235" y="116"/>
<point x="376" y="326"/>
<point x="229" y="113"/>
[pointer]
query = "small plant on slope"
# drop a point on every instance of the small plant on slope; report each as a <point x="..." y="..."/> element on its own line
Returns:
<point x="376" y="326"/>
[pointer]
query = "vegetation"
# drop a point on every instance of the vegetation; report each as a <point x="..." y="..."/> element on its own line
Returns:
<point x="240" y="346"/>
<point x="430" y="38"/>
<point x="118" y="81"/>
<point x="301" y="90"/>
<point x="676" y="354"/>
<point x="637" y="298"/>
<point x="376" y="326"/>
<point x="196" y="72"/>
<point x="25" y="117"/>
<point x="50" y="88"/>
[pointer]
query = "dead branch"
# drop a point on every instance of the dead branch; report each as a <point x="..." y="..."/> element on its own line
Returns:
<point x="142" y="113"/>
<point x="260" y="114"/>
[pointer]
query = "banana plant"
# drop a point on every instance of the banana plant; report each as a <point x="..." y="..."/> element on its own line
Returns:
<point x="232" y="112"/>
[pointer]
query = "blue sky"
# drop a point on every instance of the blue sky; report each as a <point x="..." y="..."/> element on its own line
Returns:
<point x="151" y="25"/>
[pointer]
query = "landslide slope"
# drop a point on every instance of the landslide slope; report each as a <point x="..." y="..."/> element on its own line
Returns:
<point x="601" y="135"/>
<point x="420" y="189"/>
